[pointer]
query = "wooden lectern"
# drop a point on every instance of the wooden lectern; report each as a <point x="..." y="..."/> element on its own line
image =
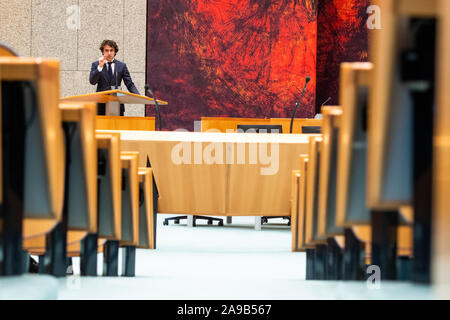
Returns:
<point x="113" y="99"/>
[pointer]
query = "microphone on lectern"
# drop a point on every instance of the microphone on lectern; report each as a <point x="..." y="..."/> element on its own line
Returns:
<point x="158" y="114"/>
<point x="307" y="79"/>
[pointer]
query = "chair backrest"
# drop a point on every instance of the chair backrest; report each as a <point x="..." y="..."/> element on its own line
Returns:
<point x="146" y="216"/>
<point x="33" y="84"/>
<point x="390" y="153"/>
<point x="312" y="192"/>
<point x="352" y="147"/>
<point x="441" y="183"/>
<point x="110" y="186"/>
<point x="82" y="184"/>
<point x="295" y="181"/>
<point x="130" y="198"/>
<point x="328" y="173"/>
<point x="301" y="221"/>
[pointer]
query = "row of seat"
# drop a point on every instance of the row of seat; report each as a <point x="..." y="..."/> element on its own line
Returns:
<point x="67" y="190"/>
<point x="363" y="194"/>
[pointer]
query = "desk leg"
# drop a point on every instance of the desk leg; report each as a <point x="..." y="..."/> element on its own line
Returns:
<point x="258" y="223"/>
<point x="112" y="108"/>
<point x="229" y="220"/>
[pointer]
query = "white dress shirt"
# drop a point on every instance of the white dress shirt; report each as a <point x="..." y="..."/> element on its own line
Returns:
<point x="113" y="65"/>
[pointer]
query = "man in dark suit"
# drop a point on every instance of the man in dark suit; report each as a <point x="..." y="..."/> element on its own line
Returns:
<point x="107" y="73"/>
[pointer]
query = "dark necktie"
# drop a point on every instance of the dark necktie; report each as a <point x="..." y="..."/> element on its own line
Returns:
<point x="110" y="73"/>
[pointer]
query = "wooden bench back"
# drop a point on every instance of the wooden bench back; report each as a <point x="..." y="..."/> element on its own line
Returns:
<point x="44" y="140"/>
<point x="328" y="173"/>
<point x="130" y="199"/>
<point x="351" y="177"/>
<point x="110" y="193"/>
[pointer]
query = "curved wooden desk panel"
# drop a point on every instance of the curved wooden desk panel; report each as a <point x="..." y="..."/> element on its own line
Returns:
<point x="224" y="124"/>
<point x="231" y="189"/>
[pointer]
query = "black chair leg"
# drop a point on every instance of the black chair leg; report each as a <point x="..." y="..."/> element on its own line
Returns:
<point x="353" y="258"/>
<point x="42" y="263"/>
<point x="384" y="242"/>
<point x="310" y="260"/>
<point x="25" y="261"/>
<point x="88" y="255"/>
<point x="111" y="258"/>
<point x="404" y="268"/>
<point x="320" y="263"/>
<point x="56" y="250"/>
<point x="334" y="260"/>
<point x="128" y="261"/>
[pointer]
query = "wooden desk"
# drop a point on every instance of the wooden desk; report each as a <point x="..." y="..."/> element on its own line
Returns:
<point x="125" y="123"/>
<point x="221" y="189"/>
<point x="222" y="124"/>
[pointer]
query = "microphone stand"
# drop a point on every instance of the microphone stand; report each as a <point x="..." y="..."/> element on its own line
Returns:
<point x="298" y="103"/>
<point x="158" y="114"/>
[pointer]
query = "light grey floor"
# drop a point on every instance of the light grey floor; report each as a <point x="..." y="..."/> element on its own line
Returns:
<point x="220" y="263"/>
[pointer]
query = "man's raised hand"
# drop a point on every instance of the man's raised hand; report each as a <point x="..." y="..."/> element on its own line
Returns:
<point x="101" y="61"/>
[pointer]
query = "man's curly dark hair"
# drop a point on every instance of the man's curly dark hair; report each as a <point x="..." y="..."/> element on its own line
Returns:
<point x="110" y="43"/>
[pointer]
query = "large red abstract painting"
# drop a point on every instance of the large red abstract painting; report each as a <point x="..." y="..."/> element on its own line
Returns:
<point x="231" y="58"/>
<point x="341" y="37"/>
